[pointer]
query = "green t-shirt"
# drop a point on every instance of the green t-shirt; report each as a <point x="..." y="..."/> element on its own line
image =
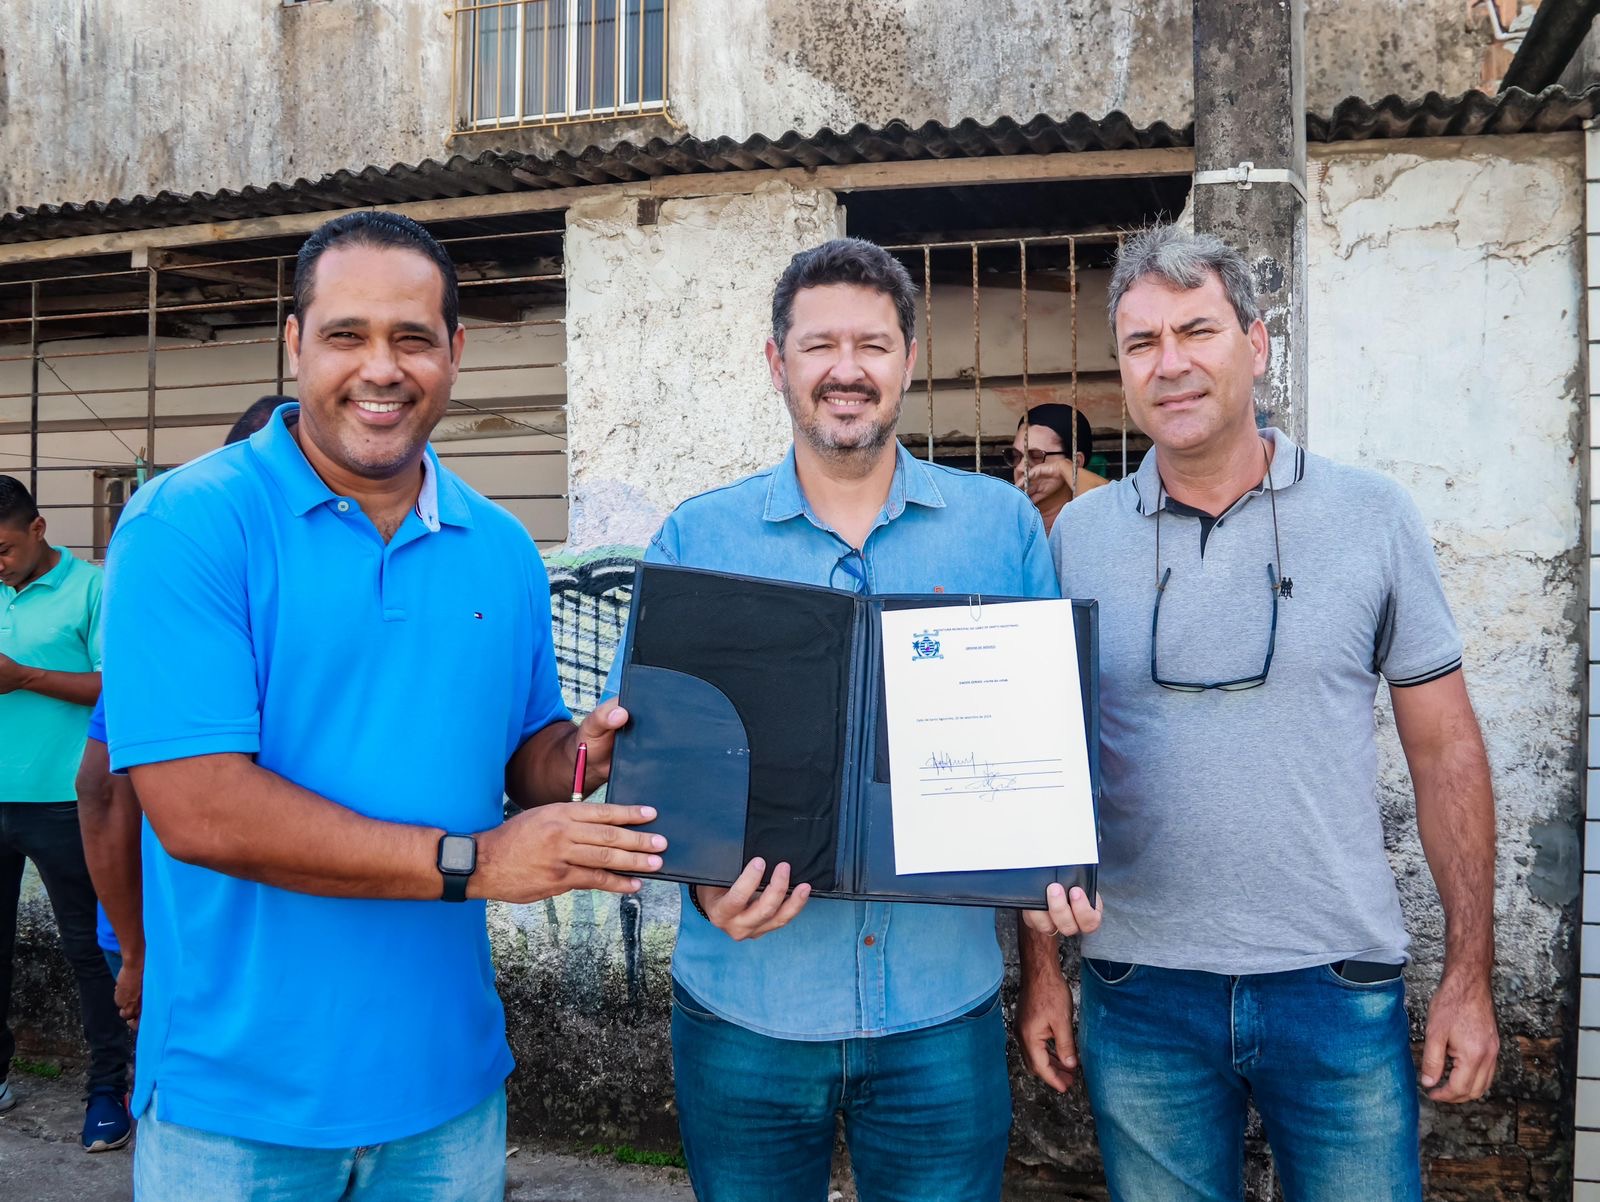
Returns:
<point x="53" y="623"/>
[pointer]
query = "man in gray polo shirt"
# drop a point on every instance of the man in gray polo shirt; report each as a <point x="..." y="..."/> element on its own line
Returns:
<point x="1252" y="596"/>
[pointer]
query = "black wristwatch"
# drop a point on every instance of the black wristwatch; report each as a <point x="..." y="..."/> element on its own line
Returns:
<point x="458" y="860"/>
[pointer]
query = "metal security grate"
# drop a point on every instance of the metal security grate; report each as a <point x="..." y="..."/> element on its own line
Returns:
<point x="108" y="376"/>
<point x="1008" y="324"/>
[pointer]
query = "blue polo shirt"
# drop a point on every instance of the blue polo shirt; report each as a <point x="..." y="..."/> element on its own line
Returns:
<point x="844" y="969"/>
<point x="52" y="623"/>
<point x="250" y="609"/>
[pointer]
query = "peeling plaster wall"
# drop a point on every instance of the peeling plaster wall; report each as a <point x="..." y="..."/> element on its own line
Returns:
<point x="1375" y="47"/>
<point x="668" y="390"/>
<point x="1444" y="305"/>
<point x="113" y="98"/>
<point x="846" y="61"/>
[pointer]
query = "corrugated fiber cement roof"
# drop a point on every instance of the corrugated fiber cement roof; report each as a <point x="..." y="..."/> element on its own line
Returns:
<point x="1474" y="113"/>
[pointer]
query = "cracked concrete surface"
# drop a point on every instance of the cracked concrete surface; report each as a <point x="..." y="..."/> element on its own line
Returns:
<point x="1445" y="331"/>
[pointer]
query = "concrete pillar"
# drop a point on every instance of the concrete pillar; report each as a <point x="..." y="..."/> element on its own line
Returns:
<point x="1249" y="106"/>
<point x="668" y="308"/>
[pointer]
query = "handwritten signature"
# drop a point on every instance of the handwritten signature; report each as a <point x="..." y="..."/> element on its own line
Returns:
<point x="941" y="762"/>
<point x="956" y="773"/>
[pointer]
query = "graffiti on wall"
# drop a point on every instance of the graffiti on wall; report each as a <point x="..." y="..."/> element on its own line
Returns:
<point x="589" y="596"/>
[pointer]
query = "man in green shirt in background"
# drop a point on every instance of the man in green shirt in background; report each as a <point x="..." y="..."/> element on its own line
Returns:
<point x="49" y="680"/>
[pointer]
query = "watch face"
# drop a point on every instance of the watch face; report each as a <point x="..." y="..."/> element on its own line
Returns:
<point x="457" y="853"/>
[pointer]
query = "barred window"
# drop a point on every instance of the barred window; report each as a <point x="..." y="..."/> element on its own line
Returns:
<point x="537" y="62"/>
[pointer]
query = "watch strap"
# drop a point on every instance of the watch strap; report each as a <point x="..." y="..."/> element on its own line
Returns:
<point x="455" y="886"/>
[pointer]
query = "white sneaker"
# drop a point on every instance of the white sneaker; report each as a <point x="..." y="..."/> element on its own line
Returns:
<point x="7" y="1098"/>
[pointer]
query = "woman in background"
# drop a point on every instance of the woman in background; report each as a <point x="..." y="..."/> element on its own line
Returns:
<point x="1054" y="473"/>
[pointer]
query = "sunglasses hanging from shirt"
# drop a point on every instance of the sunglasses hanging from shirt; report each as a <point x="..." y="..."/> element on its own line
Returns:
<point x="1277" y="583"/>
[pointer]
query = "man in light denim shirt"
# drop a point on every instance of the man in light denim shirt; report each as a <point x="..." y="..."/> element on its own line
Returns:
<point x="786" y="1013"/>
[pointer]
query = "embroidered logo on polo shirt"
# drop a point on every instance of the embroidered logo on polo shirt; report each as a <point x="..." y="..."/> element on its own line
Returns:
<point x="477" y="615"/>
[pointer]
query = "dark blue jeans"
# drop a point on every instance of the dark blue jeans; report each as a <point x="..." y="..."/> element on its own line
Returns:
<point x="47" y="833"/>
<point x="1172" y="1058"/>
<point x="927" y="1113"/>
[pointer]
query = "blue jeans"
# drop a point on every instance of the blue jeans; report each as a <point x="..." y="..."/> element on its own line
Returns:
<point x="1171" y="1059"/>
<point x="927" y="1113"/>
<point x="463" y="1160"/>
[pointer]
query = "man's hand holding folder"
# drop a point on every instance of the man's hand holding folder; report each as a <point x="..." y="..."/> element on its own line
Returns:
<point x="551" y="848"/>
<point x="740" y="912"/>
<point x="1067" y="912"/>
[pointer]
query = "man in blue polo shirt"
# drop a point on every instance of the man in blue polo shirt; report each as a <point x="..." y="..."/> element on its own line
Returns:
<point x="786" y="1013"/>
<point x="328" y="660"/>
<point x="49" y="679"/>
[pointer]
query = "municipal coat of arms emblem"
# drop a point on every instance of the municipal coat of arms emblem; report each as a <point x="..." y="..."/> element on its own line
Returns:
<point x="926" y="646"/>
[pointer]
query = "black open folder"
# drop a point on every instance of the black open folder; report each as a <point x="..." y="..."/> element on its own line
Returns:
<point x="758" y="728"/>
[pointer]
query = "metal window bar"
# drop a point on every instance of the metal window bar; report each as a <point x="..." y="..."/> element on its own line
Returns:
<point x="1072" y="271"/>
<point x="984" y="265"/>
<point x="70" y="391"/>
<point x="977" y="366"/>
<point x="1124" y="403"/>
<point x="927" y="308"/>
<point x="1022" y="286"/>
<point x="33" y="388"/>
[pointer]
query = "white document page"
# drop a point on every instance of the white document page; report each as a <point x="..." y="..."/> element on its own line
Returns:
<point x="987" y="757"/>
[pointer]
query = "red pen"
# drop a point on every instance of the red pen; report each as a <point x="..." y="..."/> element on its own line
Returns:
<point x="577" y="775"/>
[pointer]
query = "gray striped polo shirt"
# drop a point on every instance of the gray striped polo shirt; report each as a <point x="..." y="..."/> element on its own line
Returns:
<point x="1241" y="830"/>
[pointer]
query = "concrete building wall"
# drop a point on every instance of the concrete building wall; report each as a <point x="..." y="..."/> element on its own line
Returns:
<point x="114" y="98"/>
<point x="1445" y="293"/>
<point x="668" y="390"/>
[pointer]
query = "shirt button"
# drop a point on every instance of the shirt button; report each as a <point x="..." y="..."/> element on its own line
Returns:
<point x="344" y="506"/>
<point x="869" y="940"/>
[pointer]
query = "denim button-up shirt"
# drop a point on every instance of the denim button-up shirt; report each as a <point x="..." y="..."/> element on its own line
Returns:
<point x="843" y="969"/>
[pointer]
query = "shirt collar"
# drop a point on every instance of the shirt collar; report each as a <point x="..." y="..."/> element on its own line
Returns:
<point x="428" y="497"/>
<point x="1288" y="468"/>
<point x="54" y="577"/>
<point x="440" y="501"/>
<point x="913" y="483"/>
